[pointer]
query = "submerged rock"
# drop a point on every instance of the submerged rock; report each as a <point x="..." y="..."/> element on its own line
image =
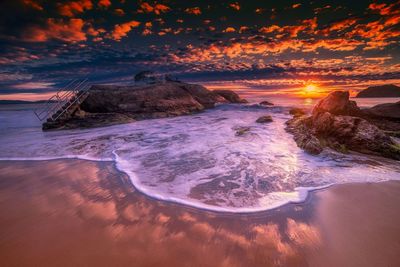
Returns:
<point x="331" y="126"/>
<point x="266" y="103"/>
<point x="264" y="119"/>
<point x="108" y="104"/>
<point x="239" y="131"/>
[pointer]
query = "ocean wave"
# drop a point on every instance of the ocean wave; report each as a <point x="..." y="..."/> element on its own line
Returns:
<point x="202" y="161"/>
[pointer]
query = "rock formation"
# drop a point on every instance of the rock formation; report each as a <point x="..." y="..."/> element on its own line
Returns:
<point x="297" y="112"/>
<point x="337" y="103"/>
<point x="336" y="123"/>
<point x="264" y="119"/>
<point x="388" y="90"/>
<point x="230" y="96"/>
<point x="389" y="111"/>
<point x="111" y="104"/>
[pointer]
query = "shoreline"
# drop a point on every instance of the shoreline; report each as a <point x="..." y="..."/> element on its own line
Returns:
<point x="308" y="191"/>
<point x="82" y="212"/>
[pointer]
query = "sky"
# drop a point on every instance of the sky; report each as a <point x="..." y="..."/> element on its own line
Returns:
<point x="271" y="47"/>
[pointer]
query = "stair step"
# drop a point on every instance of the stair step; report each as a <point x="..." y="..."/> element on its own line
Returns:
<point x="67" y="101"/>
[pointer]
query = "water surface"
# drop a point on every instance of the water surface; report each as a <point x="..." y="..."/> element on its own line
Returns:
<point x="200" y="160"/>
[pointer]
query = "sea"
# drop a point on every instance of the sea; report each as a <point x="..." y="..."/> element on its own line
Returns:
<point x="200" y="160"/>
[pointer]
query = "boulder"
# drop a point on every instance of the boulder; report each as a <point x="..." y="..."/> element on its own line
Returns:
<point x="266" y="103"/>
<point x="242" y="130"/>
<point x="387" y="110"/>
<point x="328" y="127"/>
<point x="264" y="119"/>
<point x="230" y="96"/>
<point x="150" y="101"/>
<point x="337" y="103"/>
<point x="297" y="112"/>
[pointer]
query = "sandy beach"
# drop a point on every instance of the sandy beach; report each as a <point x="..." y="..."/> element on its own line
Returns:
<point x="85" y="213"/>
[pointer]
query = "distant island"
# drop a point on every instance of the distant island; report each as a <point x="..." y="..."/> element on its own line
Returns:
<point x="388" y="90"/>
<point x="15" y="102"/>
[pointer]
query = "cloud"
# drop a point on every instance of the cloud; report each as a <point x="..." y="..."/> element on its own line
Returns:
<point x="157" y="8"/>
<point x="70" y="30"/>
<point x="308" y="26"/>
<point x="296" y="5"/>
<point x="385" y="9"/>
<point x="319" y="10"/>
<point x="338" y="26"/>
<point x="229" y="29"/>
<point x="104" y="3"/>
<point x="193" y="10"/>
<point x="235" y="6"/>
<point x="119" y="12"/>
<point x="34" y="85"/>
<point x="69" y="9"/>
<point x="122" y="30"/>
<point x="33" y="4"/>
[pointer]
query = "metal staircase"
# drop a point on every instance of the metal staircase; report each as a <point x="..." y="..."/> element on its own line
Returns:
<point x="60" y="104"/>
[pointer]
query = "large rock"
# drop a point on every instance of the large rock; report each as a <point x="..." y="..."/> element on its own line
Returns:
<point x="337" y="103"/>
<point x="388" y="111"/>
<point x="108" y="104"/>
<point x="328" y="127"/>
<point x="230" y="96"/>
<point x="264" y="119"/>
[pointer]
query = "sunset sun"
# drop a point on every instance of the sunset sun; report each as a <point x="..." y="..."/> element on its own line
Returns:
<point x="310" y="88"/>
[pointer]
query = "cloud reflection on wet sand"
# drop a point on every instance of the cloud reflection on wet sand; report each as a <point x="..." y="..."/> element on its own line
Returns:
<point x="75" y="212"/>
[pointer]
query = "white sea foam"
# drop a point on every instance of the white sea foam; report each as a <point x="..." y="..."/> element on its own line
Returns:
<point x="199" y="160"/>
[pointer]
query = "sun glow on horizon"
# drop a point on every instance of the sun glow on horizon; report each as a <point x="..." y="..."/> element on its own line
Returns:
<point x="311" y="90"/>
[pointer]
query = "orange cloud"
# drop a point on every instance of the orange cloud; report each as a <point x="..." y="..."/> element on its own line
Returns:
<point x="58" y="29"/>
<point x="296" y="5"/>
<point x="157" y="8"/>
<point x="122" y="30"/>
<point x="146" y="31"/>
<point x="193" y="10"/>
<point x="321" y="9"/>
<point x="338" y="26"/>
<point x="33" y="4"/>
<point x="341" y="25"/>
<point x="377" y="34"/>
<point x="235" y="6"/>
<point x="307" y="26"/>
<point x="229" y="29"/>
<point x="95" y="32"/>
<point x="104" y="3"/>
<point x="119" y="12"/>
<point x="243" y="29"/>
<point x="69" y="9"/>
<point x="248" y="49"/>
<point x="385" y="9"/>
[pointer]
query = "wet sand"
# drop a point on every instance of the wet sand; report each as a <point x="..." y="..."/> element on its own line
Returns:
<point x="84" y="213"/>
